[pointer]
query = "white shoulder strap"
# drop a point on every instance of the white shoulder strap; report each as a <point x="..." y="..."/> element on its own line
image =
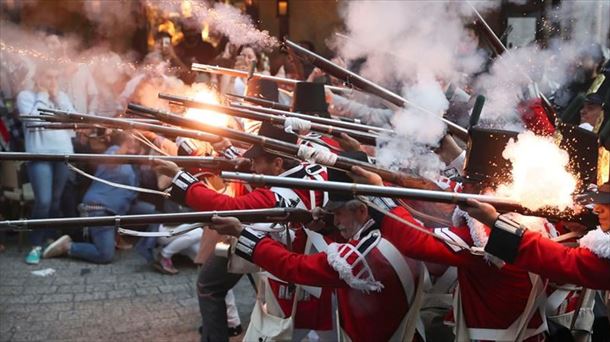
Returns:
<point x="408" y="325"/>
<point x="517" y="331"/>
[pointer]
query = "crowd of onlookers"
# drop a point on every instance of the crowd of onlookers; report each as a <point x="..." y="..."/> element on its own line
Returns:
<point x="78" y="86"/>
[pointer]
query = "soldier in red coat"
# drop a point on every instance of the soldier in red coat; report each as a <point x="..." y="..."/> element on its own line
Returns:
<point x="587" y="265"/>
<point x="379" y="290"/>
<point x="312" y="313"/>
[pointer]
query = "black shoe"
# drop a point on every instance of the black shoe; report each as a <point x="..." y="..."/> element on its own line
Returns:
<point x="235" y="331"/>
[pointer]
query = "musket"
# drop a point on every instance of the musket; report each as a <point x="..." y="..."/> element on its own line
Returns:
<point x="260" y="102"/>
<point x="355" y="126"/>
<point x="501" y="204"/>
<point x="279" y="215"/>
<point x="368" y="86"/>
<point x="211" y="163"/>
<point x="269" y="107"/>
<point x="62" y="125"/>
<point x="285" y="148"/>
<point x="64" y="116"/>
<point x="363" y="137"/>
<point x="212" y="69"/>
<point x="336" y="122"/>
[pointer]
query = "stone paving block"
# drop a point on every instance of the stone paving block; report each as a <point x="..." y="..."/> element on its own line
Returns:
<point x="74" y="280"/>
<point x="12" y="281"/>
<point x="101" y="279"/>
<point x="23" y="299"/>
<point x="173" y="288"/>
<point x="71" y="289"/>
<point x="130" y="326"/>
<point x="98" y="288"/>
<point x="150" y="282"/>
<point x="40" y="290"/>
<point x="147" y="291"/>
<point x="80" y="297"/>
<point x="43" y="316"/>
<point x="9" y="290"/>
<point x="188" y="311"/>
<point x="75" y="315"/>
<point x="189" y="302"/>
<point x="56" y="298"/>
<point x="28" y="335"/>
<point x="127" y="293"/>
<point x="6" y="337"/>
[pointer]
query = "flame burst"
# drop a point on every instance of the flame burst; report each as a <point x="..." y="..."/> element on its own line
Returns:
<point x="207" y="116"/>
<point x="540" y="173"/>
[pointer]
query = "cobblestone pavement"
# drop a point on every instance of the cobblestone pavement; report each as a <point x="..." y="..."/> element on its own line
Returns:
<point x="124" y="301"/>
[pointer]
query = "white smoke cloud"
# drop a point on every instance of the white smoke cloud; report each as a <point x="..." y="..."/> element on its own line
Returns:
<point x="550" y="67"/>
<point x="411" y="46"/>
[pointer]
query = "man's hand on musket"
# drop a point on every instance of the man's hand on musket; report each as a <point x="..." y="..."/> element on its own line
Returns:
<point x="166" y="168"/>
<point x="227" y="225"/>
<point x="363" y="176"/>
<point x="319" y="222"/>
<point x="243" y="164"/>
<point x="482" y="212"/>
<point x="222" y="145"/>
<point x="348" y="143"/>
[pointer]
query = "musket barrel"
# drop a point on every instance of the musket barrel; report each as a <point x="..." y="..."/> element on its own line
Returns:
<point x="217" y="131"/>
<point x="364" y="137"/>
<point x="212" y="69"/>
<point x="333" y="122"/>
<point x="501" y="204"/>
<point x="260" y="102"/>
<point x="371" y="190"/>
<point x="204" y="162"/>
<point x="192" y="103"/>
<point x="127" y="124"/>
<point x="245" y="216"/>
<point x="283" y="147"/>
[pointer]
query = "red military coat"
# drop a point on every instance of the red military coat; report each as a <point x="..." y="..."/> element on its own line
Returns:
<point x="588" y="265"/>
<point x="372" y="298"/>
<point x="312" y="313"/>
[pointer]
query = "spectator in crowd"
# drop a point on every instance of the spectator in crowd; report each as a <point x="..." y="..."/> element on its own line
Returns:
<point x="104" y="199"/>
<point x="48" y="179"/>
<point x="591" y="112"/>
<point x="186" y="244"/>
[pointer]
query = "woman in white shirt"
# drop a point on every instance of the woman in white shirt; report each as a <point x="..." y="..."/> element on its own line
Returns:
<point x="48" y="179"/>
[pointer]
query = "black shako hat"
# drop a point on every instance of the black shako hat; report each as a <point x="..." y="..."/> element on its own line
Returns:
<point x="310" y="98"/>
<point x="484" y="161"/>
<point x="269" y="131"/>
<point x="262" y="89"/>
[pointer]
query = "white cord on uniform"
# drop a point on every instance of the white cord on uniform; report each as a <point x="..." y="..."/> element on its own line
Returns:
<point x="299" y="125"/>
<point x="117" y="185"/>
<point x="316" y="155"/>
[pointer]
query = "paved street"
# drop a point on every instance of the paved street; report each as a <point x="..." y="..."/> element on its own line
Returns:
<point x="124" y="301"/>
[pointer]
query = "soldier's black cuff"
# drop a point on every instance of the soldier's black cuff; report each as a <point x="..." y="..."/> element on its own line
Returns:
<point x="383" y="202"/>
<point x="505" y="239"/>
<point x="247" y="241"/>
<point x="187" y="148"/>
<point x="231" y="153"/>
<point x="180" y="185"/>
